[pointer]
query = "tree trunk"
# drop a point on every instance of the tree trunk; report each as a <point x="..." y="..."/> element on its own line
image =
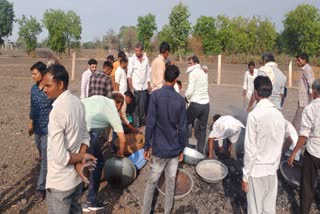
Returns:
<point x="180" y="58"/>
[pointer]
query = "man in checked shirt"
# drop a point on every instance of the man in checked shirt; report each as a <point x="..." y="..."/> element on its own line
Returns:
<point x="100" y="82"/>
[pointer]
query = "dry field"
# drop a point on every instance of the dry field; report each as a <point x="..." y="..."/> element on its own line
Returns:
<point x="19" y="169"/>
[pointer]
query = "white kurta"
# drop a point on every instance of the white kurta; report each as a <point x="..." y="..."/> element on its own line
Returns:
<point x="265" y="134"/>
<point x="226" y="127"/>
<point x="248" y="82"/>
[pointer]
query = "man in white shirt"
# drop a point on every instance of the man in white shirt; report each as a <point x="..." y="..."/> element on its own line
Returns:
<point x="224" y="127"/>
<point x="264" y="139"/>
<point x="68" y="140"/>
<point x="248" y="80"/>
<point x="197" y="94"/>
<point x="85" y="78"/>
<point x="139" y="83"/>
<point x="310" y="134"/>
<point x="121" y="76"/>
<point x="277" y="78"/>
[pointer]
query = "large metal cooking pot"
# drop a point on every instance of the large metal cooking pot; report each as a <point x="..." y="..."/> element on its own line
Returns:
<point x="192" y="156"/>
<point x="119" y="172"/>
<point x="291" y="174"/>
<point x="184" y="184"/>
<point x="211" y="171"/>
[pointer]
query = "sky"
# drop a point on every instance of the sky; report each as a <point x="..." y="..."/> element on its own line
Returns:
<point x="99" y="16"/>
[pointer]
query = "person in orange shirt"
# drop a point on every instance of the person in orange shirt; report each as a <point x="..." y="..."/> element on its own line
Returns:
<point x="116" y="64"/>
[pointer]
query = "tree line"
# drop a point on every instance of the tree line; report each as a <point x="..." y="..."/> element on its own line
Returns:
<point x="208" y="36"/>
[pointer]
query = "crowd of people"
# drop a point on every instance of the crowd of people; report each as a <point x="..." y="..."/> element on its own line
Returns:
<point x="129" y="93"/>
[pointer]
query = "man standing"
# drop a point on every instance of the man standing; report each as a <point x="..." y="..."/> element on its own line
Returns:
<point x="166" y="135"/>
<point x="107" y="111"/>
<point x="158" y="66"/>
<point x="40" y="107"/>
<point x="265" y="134"/>
<point x="116" y="64"/>
<point x="139" y="83"/>
<point x="121" y="76"/>
<point x="248" y="80"/>
<point x="197" y="93"/>
<point x="85" y="78"/>
<point x="68" y="140"/>
<point x="100" y="82"/>
<point x="277" y="78"/>
<point x="306" y="79"/>
<point x="310" y="134"/>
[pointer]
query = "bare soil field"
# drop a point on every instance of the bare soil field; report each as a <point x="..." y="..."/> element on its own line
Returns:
<point x="19" y="169"/>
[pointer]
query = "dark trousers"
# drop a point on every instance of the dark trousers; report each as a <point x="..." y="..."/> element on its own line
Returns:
<point x="200" y="112"/>
<point x="97" y="139"/>
<point x="310" y="168"/>
<point x="139" y="111"/>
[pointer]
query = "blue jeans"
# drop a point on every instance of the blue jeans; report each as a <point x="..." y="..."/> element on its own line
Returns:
<point x="41" y="142"/>
<point x="64" y="202"/>
<point x="97" y="139"/>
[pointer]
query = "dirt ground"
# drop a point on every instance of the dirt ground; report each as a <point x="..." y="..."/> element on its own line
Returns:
<point x="19" y="169"/>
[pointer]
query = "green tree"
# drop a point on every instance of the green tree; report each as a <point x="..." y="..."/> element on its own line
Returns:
<point x="206" y="31"/>
<point x="29" y="29"/>
<point x="232" y="35"/>
<point x="73" y="29"/>
<point x="245" y="35"/>
<point x="6" y="19"/>
<point x="302" y="30"/>
<point x="165" y="35"/>
<point x="267" y="36"/>
<point x="146" y="27"/>
<point x="64" y="31"/>
<point x="179" y="21"/>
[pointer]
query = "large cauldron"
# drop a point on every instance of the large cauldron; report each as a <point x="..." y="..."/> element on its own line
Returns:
<point x="119" y="172"/>
<point x="184" y="184"/>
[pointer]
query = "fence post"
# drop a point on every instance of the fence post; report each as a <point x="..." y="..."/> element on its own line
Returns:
<point x="219" y="70"/>
<point x="290" y="74"/>
<point x="73" y="69"/>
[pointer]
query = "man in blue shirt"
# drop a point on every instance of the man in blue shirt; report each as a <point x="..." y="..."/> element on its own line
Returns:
<point x="40" y="107"/>
<point x="165" y="138"/>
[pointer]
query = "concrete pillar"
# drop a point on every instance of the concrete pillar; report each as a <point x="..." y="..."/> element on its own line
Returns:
<point x="73" y="70"/>
<point x="219" y="71"/>
<point x="290" y="74"/>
